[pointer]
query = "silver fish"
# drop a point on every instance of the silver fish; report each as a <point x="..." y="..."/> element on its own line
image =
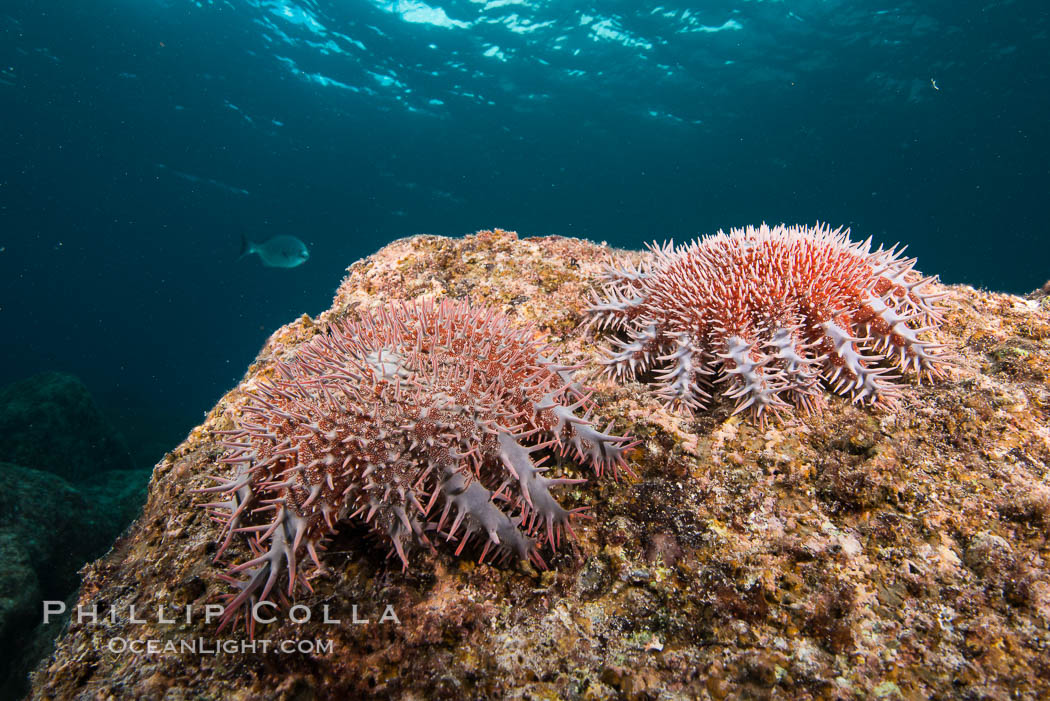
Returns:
<point x="278" y="252"/>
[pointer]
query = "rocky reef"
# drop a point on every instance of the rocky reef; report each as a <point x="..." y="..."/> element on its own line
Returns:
<point x="51" y="422"/>
<point x="70" y="495"/>
<point x="854" y="553"/>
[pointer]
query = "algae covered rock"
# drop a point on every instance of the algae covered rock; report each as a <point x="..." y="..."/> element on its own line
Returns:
<point x="853" y="553"/>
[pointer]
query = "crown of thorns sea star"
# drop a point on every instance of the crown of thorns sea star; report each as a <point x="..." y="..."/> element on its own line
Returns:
<point x="389" y="416"/>
<point x="770" y="317"/>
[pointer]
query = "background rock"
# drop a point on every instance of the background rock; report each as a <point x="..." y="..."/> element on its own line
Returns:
<point x="49" y="530"/>
<point x="50" y="422"/>
<point x="65" y="508"/>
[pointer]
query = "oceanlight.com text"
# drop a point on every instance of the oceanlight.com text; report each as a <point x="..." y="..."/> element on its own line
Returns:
<point x="204" y="646"/>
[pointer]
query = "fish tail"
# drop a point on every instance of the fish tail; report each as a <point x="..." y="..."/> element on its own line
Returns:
<point x="247" y="248"/>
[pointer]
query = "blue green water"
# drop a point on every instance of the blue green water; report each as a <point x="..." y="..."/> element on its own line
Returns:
<point x="142" y="138"/>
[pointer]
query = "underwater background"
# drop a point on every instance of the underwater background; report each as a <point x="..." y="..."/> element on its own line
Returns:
<point x="142" y="139"/>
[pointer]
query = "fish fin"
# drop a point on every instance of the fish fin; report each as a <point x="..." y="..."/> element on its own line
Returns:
<point x="247" y="247"/>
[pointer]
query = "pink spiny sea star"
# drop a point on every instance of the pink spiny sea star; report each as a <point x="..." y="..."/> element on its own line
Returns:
<point x="771" y="315"/>
<point x="384" y="418"/>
